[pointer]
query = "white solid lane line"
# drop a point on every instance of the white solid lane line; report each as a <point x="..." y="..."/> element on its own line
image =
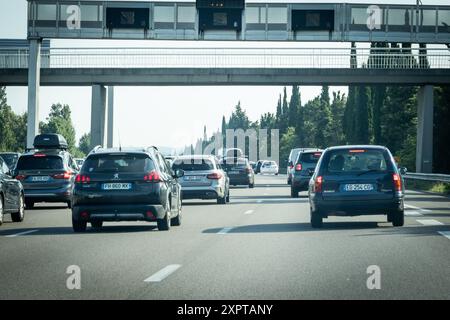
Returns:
<point x="248" y="212"/>
<point x="429" y="222"/>
<point x="412" y="213"/>
<point x="445" y="234"/>
<point x="163" y="273"/>
<point x="20" y="233"/>
<point x="416" y="208"/>
<point x="225" y="230"/>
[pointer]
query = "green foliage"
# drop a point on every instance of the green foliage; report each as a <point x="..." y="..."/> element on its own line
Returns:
<point x="84" y="145"/>
<point x="12" y="126"/>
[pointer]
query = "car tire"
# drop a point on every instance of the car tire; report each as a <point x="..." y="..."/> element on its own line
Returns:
<point x="222" y="200"/>
<point x="20" y="214"/>
<point x="316" y="219"/>
<point x="164" y="223"/>
<point x="79" y="226"/>
<point x="294" y="193"/>
<point x="69" y="204"/>
<point x="1" y="210"/>
<point x="97" y="224"/>
<point x="176" y="221"/>
<point x="398" y="218"/>
<point x="228" y="197"/>
<point x="29" y="204"/>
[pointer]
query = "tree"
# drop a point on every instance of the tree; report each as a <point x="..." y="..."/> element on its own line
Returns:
<point x="323" y="120"/>
<point x="278" y="112"/>
<point x="294" y="105"/>
<point x="284" y="123"/>
<point x="238" y="119"/>
<point x="362" y="116"/>
<point x="13" y="127"/>
<point x="337" y="114"/>
<point x="84" y="145"/>
<point x="59" y="121"/>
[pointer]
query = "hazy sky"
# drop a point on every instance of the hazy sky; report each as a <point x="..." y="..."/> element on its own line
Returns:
<point x="164" y="116"/>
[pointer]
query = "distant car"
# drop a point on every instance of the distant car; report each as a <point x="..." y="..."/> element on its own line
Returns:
<point x="239" y="171"/>
<point x="304" y="167"/>
<point x="48" y="172"/>
<point x="293" y="155"/>
<point x="12" y="200"/>
<point x="356" y="180"/>
<point x="126" y="185"/>
<point x="204" y="178"/>
<point x="79" y="162"/>
<point x="231" y="153"/>
<point x="10" y="158"/>
<point x="269" y="167"/>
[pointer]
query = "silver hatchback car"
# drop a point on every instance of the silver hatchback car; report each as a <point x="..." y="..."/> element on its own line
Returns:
<point x="203" y="178"/>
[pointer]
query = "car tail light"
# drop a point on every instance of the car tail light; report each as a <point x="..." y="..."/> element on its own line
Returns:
<point x="84" y="215"/>
<point x="298" y="167"/>
<point x="81" y="178"/>
<point x="66" y="175"/>
<point x="152" y="176"/>
<point x="150" y="215"/>
<point x="214" y="176"/>
<point x="397" y="182"/>
<point x="39" y="155"/>
<point x="318" y="184"/>
<point x="21" y="177"/>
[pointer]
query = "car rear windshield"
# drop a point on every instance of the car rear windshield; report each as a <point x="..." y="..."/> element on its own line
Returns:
<point x="120" y="163"/>
<point x="356" y="161"/>
<point x="235" y="163"/>
<point x="40" y="162"/>
<point x="193" y="165"/>
<point x="309" y="157"/>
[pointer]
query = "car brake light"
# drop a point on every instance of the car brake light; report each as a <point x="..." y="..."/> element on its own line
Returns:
<point x="298" y="167"/>
<point x="318" y="184"/>
<point x="66" y="175"/>
<point x="214" y="176"/>
<point x="81" y="178"/>
<point x="21" y="177"/>
<point x="397" y="182"/>
<point x="357" y="151"/>
<point x="152" y="176"/>
<point x="39" y="155"/>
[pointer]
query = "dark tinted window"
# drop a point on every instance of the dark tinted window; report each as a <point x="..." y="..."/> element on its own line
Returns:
<point x="193" y="165"/>
<point x="356" y="161"/>
<point x="234" y="163"/>
<point x="120" y="163"/>
<point x="10" y="159"/>
<point x="40" y="163"/>
<point x="309" y="157"/>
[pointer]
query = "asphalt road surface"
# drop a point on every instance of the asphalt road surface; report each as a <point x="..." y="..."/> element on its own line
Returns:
<point x="259" y="246"/>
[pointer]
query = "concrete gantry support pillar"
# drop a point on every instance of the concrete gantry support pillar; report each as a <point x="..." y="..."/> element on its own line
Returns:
<point x="34" y="78"/>
<point x="424" y="148"/>
<point x="110" y="126"/>
<point x="98" y="115"/>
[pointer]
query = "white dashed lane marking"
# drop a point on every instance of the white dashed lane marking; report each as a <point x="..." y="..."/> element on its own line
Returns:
<point x="20" y="233"/>
<point x="163" y="273"/>
<point x="445" y="234"/>
<point x="429" y="222"/>
<point x="412" y="213"/>
<point x="416" y="208"/>
<point x="248" y="212"/>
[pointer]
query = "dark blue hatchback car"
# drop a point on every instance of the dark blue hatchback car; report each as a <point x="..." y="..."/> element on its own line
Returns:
<point x="356" y="180"/>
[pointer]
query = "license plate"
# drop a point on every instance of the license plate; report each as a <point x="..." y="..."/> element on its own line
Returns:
<point x="40" y="179"/>
<point x="192" y="178"/>
<point x="358" y="187"/>
<point x="116" y="186"/>
<point x="234" y="172"/>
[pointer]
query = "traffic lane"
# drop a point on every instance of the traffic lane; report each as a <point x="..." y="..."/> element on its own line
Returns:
<point x="278" y="255"/>
<point x="113" y="262"/>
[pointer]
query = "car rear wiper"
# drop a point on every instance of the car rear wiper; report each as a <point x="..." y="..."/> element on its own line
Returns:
<point x="371" y="170"/>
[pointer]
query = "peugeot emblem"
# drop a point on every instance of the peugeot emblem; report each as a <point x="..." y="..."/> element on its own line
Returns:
<point x="116" y="176"/>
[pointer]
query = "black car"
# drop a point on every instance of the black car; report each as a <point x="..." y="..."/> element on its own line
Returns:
<point x="239" y="171"/>
<point x="47" y="172"/>
<point x="11" y="195"/>
<point x="126" y="185"/>
<point x="304" y="167"/>
<point x="356" y="180"/>
<point x="10" y="159"/>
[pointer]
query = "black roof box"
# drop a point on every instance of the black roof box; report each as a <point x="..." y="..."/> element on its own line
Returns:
<point x="50" y="141"/>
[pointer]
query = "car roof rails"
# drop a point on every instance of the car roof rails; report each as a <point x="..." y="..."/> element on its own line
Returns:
<point x="95" y="149"/>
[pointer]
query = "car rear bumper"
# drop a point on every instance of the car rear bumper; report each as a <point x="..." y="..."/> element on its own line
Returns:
<point x="135" y="212"/>
<point x="240" y="180"/>
<point x="300" y="182"/>
<point x="49" y="195"/>
<point x="356" y="207"/>
<point x="203" y="192"/>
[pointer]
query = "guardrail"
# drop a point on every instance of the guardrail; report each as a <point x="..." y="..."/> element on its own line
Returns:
<point x="238" y="57"/>
<point x="428" y="177"/>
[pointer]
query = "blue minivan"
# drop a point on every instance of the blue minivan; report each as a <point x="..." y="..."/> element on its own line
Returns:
<point x="356" y="180"/>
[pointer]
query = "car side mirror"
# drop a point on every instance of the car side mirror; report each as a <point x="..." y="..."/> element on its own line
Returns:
<point x="179" y="173"/>
<point x="403" y="170"/>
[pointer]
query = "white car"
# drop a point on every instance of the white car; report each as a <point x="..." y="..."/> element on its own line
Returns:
<point x="269" y="167"/>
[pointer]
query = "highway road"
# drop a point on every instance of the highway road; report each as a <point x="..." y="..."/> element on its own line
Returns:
<point x="260" y="246"/>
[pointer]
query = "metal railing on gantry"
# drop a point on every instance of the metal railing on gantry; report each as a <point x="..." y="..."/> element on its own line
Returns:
<point x="232" y="57"/>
